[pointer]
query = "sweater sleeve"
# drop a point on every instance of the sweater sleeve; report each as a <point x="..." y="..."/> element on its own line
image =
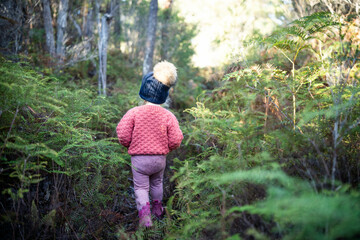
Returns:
<point x="125" y="128"/>
<point x="175" y="134"/>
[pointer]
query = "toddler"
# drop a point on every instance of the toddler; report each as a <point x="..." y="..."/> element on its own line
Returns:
<point x="150" y="132"/>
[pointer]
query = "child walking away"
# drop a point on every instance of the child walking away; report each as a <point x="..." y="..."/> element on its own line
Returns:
<point x="150" y="132"/>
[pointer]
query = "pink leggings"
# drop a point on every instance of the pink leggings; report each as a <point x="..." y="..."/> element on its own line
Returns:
<point x="148" y="170"/>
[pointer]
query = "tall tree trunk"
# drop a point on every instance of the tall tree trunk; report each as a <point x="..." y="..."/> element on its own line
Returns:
<point x="98" y="24"/>
<point x="61" y="27"/>
<point x="103" y="43"/>
<point x="117" y="24"/>
<point x="88" y="31"/>
<point x="89" y="24"/>
<point x="12" y="19"/>
<point x="165" y="31"/>
<point x="49" y="30"/>
<point x="150" y="37"/>
<point x="103" y="29"/>
<point x="84" y="12"/>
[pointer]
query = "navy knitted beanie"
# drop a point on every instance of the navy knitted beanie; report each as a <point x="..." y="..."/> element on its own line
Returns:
<point x="152" y="90"/>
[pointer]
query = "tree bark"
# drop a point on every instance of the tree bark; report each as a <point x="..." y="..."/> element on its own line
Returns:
<point x="103" y="29"/>
<point x="49" y="30"/>
<point x="103" y="43"/>
<point x="98" y="23"/>
<point x="117" y="24"/>
<point x="61" y="27"/>
<point x="89" y="23"/>
<point x="165" y="31"/>
<point x="84" y="12"/>
<point x="12" y="19"/>
<point x="150" y="37"/>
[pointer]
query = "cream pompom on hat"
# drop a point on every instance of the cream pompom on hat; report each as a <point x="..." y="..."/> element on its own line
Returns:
<point x="165" y="72"/>
<point x="155" y="85"/>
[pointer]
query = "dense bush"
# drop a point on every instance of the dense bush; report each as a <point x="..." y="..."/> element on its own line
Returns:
<point x="278" y="146"/>
<point x="61" y="163"/>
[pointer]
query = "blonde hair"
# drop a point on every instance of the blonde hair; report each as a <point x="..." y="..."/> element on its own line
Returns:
<point x="165" y="73"/>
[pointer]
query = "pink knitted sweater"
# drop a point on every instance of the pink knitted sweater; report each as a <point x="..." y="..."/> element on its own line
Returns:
<point x="149" y="130"/>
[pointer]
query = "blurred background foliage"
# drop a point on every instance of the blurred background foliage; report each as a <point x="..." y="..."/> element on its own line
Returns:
<point x="267" y="98"/>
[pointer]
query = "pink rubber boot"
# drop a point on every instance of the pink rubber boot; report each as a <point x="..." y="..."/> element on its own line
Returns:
<point x="145" y="216"/>
<point x="157" y="209"/>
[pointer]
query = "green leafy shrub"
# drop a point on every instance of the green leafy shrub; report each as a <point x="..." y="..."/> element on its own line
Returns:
<point x="61" y="139"/>
<point x="274" y="146"/>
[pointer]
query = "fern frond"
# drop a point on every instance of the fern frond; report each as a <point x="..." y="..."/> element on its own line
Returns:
<point x="300" y="31"/>
<point x="296" y="31"/>
<point x="286" y="44"/>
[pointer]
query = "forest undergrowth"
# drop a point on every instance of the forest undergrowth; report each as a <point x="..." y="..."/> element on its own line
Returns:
<point x="278" y="141"/>
<point x="271" y="151"/>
